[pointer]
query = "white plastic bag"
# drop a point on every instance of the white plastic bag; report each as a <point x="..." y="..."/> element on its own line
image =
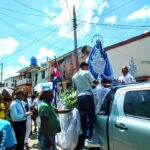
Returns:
<point x="70" y="130"/>
<point x="99" y="95"/>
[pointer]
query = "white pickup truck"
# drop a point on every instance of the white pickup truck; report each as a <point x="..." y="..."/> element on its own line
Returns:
<point x="123" y="122"/>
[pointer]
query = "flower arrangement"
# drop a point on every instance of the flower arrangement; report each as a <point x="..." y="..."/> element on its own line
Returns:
<point x="68" y="98"/>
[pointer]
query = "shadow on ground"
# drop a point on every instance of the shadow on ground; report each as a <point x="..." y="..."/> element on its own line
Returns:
<point x="33" y="142"/>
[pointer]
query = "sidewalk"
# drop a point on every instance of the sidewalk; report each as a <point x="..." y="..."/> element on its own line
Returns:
<point x="33" y="142"/>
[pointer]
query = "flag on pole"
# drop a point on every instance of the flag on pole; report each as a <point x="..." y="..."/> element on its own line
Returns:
<point x="55" y="80"/>
<point x="99" y="64"/>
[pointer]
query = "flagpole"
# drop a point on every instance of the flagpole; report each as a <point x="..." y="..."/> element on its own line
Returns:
<point x="59" y="77"/>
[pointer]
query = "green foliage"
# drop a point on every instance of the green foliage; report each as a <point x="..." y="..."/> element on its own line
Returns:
<point x="68" y="98"/>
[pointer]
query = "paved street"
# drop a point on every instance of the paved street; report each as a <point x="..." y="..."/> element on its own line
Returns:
<point x="33" y="142"/>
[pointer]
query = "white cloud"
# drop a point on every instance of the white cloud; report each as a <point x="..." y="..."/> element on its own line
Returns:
<point x="8" y="46"/>
<point x="111" y="20"/>
<point x="64" y="22"/>
<point x="97" y="28"/>
<point x="23" y="61"/>
<point x="63" y="32"/>
<point x="142" y="13"/>
<point x="102" y="7"/>
<point x="146" y="31"/>
<point x="43" y="53"/>
<point x="47" y="11"/>
<point x="47" y="21"/>
<point x="95" y="19"/>
<point x="10" y="71"/>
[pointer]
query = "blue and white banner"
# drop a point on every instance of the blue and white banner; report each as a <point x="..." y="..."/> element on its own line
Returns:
<point x="99" y="64"/>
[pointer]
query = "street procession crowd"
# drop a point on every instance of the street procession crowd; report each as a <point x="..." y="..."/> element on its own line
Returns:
<point x="18" y="111"/>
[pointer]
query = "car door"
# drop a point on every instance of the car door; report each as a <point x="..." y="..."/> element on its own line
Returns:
<point x="130" y="123"/>
<point x="101" y="123"/>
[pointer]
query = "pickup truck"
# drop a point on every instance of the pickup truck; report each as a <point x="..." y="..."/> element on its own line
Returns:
<point x="123" y="122"/>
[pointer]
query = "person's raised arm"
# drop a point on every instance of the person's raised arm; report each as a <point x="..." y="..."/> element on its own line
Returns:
<point x="62" y="111"/>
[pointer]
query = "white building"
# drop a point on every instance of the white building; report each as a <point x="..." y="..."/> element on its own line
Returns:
<point x="10" y="82"/>
<point x="134" y="52"/>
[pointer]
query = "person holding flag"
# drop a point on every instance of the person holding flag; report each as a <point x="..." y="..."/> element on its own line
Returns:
<point x="55" y="80"/>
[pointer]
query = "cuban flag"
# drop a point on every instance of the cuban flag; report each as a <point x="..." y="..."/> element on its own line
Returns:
<point x="99" y="64"/>
<point x="55" y="80"/>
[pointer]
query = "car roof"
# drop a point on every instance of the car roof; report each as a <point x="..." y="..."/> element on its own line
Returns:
<point x="131" y="85"/>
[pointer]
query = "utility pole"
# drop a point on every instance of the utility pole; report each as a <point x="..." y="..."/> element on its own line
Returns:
<point x="1" y="73"/>
<point x="75" y="37"/>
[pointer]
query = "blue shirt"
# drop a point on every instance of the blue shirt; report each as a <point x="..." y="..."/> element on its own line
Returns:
<point x="17" y="111"/>
<point x="7" y="138"/>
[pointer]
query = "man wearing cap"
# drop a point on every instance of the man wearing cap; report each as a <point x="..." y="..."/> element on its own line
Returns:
<point x="83" y="81"/>
<point x="18" y="115"/>
<point x="28" y="105"/>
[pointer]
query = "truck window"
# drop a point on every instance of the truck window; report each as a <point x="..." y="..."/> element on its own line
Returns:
<point x="137" y="104"/>
<point x="106" y="106"/>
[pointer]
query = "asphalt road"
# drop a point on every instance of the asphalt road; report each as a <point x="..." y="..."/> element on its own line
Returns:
<point x="33" y="142"/>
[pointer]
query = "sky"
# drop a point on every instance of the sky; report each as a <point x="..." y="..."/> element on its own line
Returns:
<point x="44" y="28"/>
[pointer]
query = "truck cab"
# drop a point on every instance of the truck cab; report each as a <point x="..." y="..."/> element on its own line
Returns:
<point x="123" y="122"/>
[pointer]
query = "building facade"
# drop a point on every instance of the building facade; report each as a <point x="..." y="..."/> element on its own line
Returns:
<point x="10" y="82"/>
<point x="67" y="66"/>
<point x="135" y="53"/>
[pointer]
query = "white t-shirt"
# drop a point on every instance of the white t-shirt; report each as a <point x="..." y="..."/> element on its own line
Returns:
<point x="36" y="103"/>
<point x="83" y="80"/>
<point x="128" y="78"/>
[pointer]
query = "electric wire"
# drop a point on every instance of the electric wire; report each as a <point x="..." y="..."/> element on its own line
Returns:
<point x="27" y="35"/>
<point x="16" y="19"/>
<point x="119" y="26"/>
<point x="29" y="7"/>
<point x="117" y="7"/>
<point x="68" y="9"/>
<point x="21" y="12"/>
<point x="27" y="46"/>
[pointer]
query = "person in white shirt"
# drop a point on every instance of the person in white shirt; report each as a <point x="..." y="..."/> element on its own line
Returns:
<point x="37" y="120"/>
<point x="126" y="76"/>
<point x="27" y="104"/>
<point x="83" y="81"/>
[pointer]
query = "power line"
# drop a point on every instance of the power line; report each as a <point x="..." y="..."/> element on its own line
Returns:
<point x="27" y="35"/>
<point x="13" y="18"/>
<point x="24" y="34"/>
<point x="80" y="5"/>
<point x="68" y="9"/>
<point x="21" y="12"/>
<point x="118" y="25"/>
<point x="29" y="7"/>
<point x="117" y="7"/>
<point x="16" y="30"/>
<point x="28" y="45"/>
